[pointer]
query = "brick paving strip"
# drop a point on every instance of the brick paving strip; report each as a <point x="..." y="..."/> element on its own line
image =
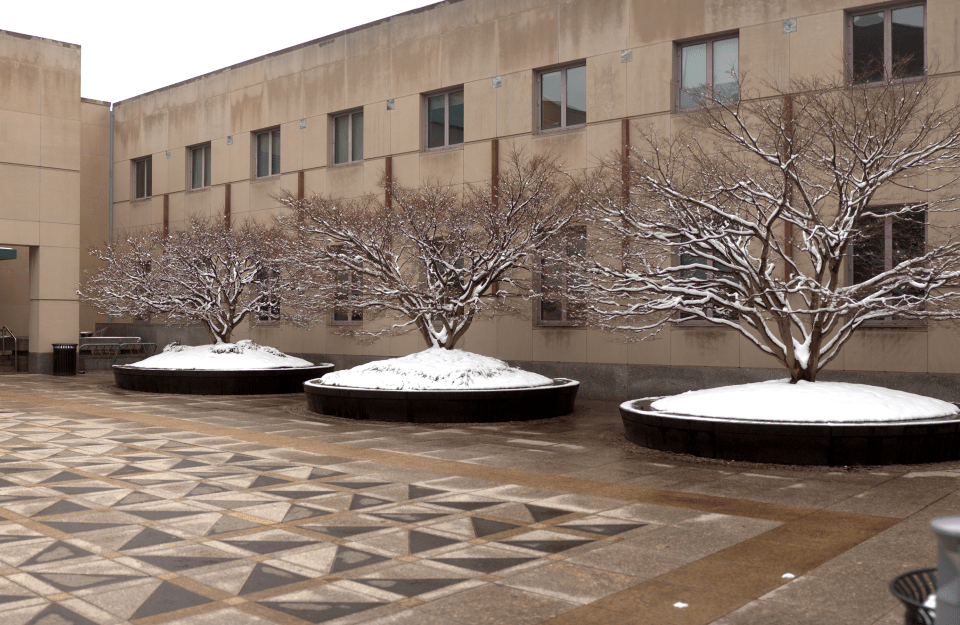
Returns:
<point x="784" y="538"/>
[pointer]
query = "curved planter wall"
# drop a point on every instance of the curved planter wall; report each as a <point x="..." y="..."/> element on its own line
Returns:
<point x="198" y="382"/>
<point x="901" y="442"/>
<point x="456" y="406"/>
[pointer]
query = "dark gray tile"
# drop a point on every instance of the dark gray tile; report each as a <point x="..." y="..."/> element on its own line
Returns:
<point x="486" y="527"/>
<point x="410" y="587"/>
<point x="483" y="565"/>
<point x="181" y="563"/>
<point x="347" y="559"/>
<point x="57" y="552"/>
<point x="264" y="577"/>
<point x="422" y="541"/>
<point x="319" y="612"/>
<point x="56" y="614"/>
<point x="167" y="598"/>
<point x="149" y="537"/>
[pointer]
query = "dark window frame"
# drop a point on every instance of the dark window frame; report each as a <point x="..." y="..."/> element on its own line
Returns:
<point x="273" y="159"/>
<point x="708" y="86"/>
<point x="143" y="178"/>
<point x="268" y="315"/>
<point x="206" y="174"/>
<point x="446" y="119"/>
<point x="888" y="254"/>
<point x="679" y="259"/>
<point x="572" y="237"/>
<point x="563" y="69"/>
<point x="352" y="156"/>
<point x="350" y="284"/>
<point x="887" y="11"/>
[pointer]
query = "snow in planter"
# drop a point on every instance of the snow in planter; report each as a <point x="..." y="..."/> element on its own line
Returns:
<point x="807" y="402"/>
<point x="240" y="356"/>
<point x="435" y="369"/>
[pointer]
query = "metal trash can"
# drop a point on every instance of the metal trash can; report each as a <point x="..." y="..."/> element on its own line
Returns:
<point x="912" y="589"/>
<point x="947" y="530"/>
<point x="64" y="359"/>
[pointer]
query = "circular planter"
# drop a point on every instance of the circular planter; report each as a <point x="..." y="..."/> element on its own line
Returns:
<point x="447" y="406"/>
<point x="831" y="444"/>
<point x="217" y="382"/>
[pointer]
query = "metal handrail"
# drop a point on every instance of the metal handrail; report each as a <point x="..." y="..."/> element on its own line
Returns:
<point x="138" y="345"/>
<point x="104" y="350"/>
<point x="16" y="348"/>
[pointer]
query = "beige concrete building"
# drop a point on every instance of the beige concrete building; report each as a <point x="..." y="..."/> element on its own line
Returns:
<point x="53" y="167"/>
<point x="431" y="94"/>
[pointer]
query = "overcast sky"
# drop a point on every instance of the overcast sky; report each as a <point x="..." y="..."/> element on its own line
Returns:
<point x="133" y="47"/>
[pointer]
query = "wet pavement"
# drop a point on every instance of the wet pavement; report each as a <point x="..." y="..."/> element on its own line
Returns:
<point x="118" y="506"/>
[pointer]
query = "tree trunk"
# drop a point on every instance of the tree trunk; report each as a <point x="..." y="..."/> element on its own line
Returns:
<point x="807" y="374"/>
<point x="216" y="338"/>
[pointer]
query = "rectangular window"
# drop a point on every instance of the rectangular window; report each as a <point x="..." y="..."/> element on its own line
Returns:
<point x="269" y="312"/>
<point x="708" y="72"/>
<point x="700" y="273"/>
<point x="884" y="242"/>
<point x="563" y="98"/>
<point x="348" y="293"/>
<point x="348" y="138"/>
<point x="445" y="119"/>
<point x="200" y="167"/>
<point x="556" y="278"/>
<point x="887" y="44"/>
<point x="268" y="153"/>
<point x="144" y="178"/>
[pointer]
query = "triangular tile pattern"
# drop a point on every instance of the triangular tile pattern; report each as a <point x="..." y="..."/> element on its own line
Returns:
<point x="266" y="577"/>
<point x="181" y="494"/>
<point x="167" y="598"/>
<point x="410" y="587"/>
<point x="56" y="614"/>
<point x="57" y="552"/>
<point x="319" y="611"/>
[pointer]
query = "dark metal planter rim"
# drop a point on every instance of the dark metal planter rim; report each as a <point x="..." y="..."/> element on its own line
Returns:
<point x="217" y="381"/>
<point x="444" y="406"/>
<point x="392" y="392"/>
<point x="913" y="441"/>
<point x="630" y="405"/>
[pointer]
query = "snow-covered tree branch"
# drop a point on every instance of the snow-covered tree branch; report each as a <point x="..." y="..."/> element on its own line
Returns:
<point x="207" y="273"/>
<point x="438" y="256"/>
<point x="792" y="219"/>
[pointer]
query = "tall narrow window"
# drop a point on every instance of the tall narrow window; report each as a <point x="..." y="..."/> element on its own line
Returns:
<point x="268" y="312"/>
<point x="886" y="240"/>
<point x="708" y="72"/>
<point x="563" y="98"/>
<point x="348" y="293"/>
<point x="557" y="277"/>
<point x="348" y="138"/>
<point x="144" y="178"/>
<point x="699" y="274"/>
<point x="887" y="44"/>
<point x="200" y="167"/>
<point x="445" y="119"/>
<point x="268" y="153"/>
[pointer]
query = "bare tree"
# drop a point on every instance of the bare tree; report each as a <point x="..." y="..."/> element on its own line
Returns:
<point x="207" y="273"/>
<point x="432" y="259"/>
<point x="751" y="216"/>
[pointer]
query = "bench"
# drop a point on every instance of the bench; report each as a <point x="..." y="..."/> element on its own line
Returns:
<point x="113" y="347"/>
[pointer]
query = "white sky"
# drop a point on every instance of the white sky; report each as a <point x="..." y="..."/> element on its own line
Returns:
<point x="134" y="47"/>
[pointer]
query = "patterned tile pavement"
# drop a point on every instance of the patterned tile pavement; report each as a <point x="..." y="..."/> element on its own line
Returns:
<point x="121" y="507"/>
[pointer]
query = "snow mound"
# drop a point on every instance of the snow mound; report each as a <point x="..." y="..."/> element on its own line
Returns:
<point x="806" y="402"/>
<point x="434" y="369"/>
<point x="239" y="356"/>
